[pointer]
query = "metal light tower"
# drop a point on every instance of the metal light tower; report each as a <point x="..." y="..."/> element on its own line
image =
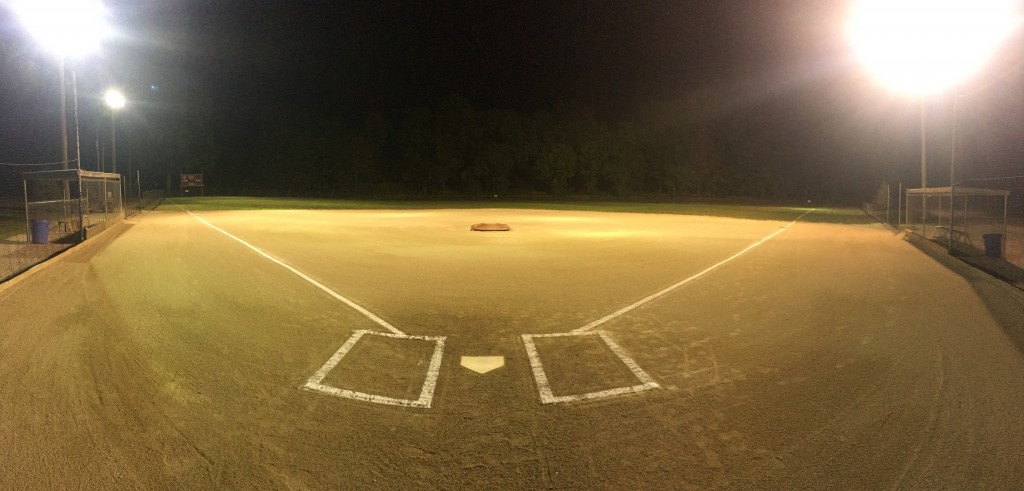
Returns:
<point x="114" y="100"/>
<point x="922" y="47"/>
<point x="68" y="28"/>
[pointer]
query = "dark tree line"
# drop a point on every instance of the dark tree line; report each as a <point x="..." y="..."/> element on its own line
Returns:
<point x="456" y="150"/>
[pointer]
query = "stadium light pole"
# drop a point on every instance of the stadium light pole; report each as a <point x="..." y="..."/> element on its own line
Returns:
<point x="114" y="100"/>
<point x="923" y="47"/>
<point x="68" y="28"/>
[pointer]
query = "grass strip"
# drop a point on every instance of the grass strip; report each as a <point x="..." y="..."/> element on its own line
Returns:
<point x="842" y="215"/>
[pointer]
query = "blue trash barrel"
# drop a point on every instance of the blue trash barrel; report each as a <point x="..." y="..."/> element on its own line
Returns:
<point x="40" y="231"/>
<point x="993" y="245"/>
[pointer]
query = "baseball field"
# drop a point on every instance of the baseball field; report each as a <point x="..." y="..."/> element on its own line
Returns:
<point x="203" y="348"/>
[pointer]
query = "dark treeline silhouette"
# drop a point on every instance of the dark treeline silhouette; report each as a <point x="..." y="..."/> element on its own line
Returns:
<point x="455" y="150"/>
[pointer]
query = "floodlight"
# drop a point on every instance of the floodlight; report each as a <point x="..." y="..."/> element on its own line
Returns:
<point x="66" y="27"/>
<point x="114" y="99"/>
<point x="922" y="47"/>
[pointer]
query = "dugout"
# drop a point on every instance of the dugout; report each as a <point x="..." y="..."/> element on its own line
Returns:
<point x="73" y="202"/>
<point x="959" y="217"/>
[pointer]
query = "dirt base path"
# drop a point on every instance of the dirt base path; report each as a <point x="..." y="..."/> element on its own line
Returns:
<point x="166" y="355"/>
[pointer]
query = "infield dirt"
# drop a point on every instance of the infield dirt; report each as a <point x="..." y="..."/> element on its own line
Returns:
<point x="165" y="354"/>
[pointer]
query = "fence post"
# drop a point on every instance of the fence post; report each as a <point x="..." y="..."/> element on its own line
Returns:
<point x="28" y="228"/>
<point x="1002" y="249"/>
<point x="899" y="205"/>
<point x="888" y="197"/>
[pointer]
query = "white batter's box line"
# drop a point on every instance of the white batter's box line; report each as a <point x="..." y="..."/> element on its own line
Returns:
<point x="547" y="397"/>
<point x="426" y="393"/>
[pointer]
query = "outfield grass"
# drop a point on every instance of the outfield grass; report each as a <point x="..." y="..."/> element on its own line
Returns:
<point x="756" y="212"/>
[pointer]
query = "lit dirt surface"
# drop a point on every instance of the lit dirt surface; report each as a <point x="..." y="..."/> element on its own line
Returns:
<point x="165" y="354"/>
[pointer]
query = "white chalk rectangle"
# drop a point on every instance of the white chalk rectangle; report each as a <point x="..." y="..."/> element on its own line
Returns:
<point x="544" y="387"/>
<point x="429" y="383"/>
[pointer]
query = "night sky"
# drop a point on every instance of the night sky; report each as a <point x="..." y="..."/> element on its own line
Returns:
<point x="613" y="57"/>
<point x="775" y="78"/>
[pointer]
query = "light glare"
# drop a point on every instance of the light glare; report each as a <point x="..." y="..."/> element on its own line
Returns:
<point x="925" y="46"/>
<point x="66" y="27"/>
<point x="114" y="99"/>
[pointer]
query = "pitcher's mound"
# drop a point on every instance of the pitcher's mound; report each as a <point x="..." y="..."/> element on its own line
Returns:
<point x="490" y="227"/>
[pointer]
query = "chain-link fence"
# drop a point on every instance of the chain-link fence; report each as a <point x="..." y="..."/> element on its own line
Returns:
<point x="12" y="197"/>
<point x="136" y="202"/>
<point x="37" y="217"/>
<point x="970" y="221"/>
<point x="102" y="203"/>
<point x="17" y="251"/>
<point x="54" y="210"/>
<point x="132" y="198"/>
<point x="886" y="205"/>
<point x="151" y="199"/>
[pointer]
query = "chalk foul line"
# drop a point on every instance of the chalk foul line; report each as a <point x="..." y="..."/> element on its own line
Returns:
<point x="300" y="274"/>
<point x="695" y="277"/>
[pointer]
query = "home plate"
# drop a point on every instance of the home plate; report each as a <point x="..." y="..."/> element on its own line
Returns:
<point x="482" y="364"/>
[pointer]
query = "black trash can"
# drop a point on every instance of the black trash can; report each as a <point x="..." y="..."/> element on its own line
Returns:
<point x="993" y="245"/>
<point x="40" y="231"/>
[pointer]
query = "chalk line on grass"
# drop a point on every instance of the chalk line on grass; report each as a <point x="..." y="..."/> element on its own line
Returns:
<point x="300" y="274"/>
